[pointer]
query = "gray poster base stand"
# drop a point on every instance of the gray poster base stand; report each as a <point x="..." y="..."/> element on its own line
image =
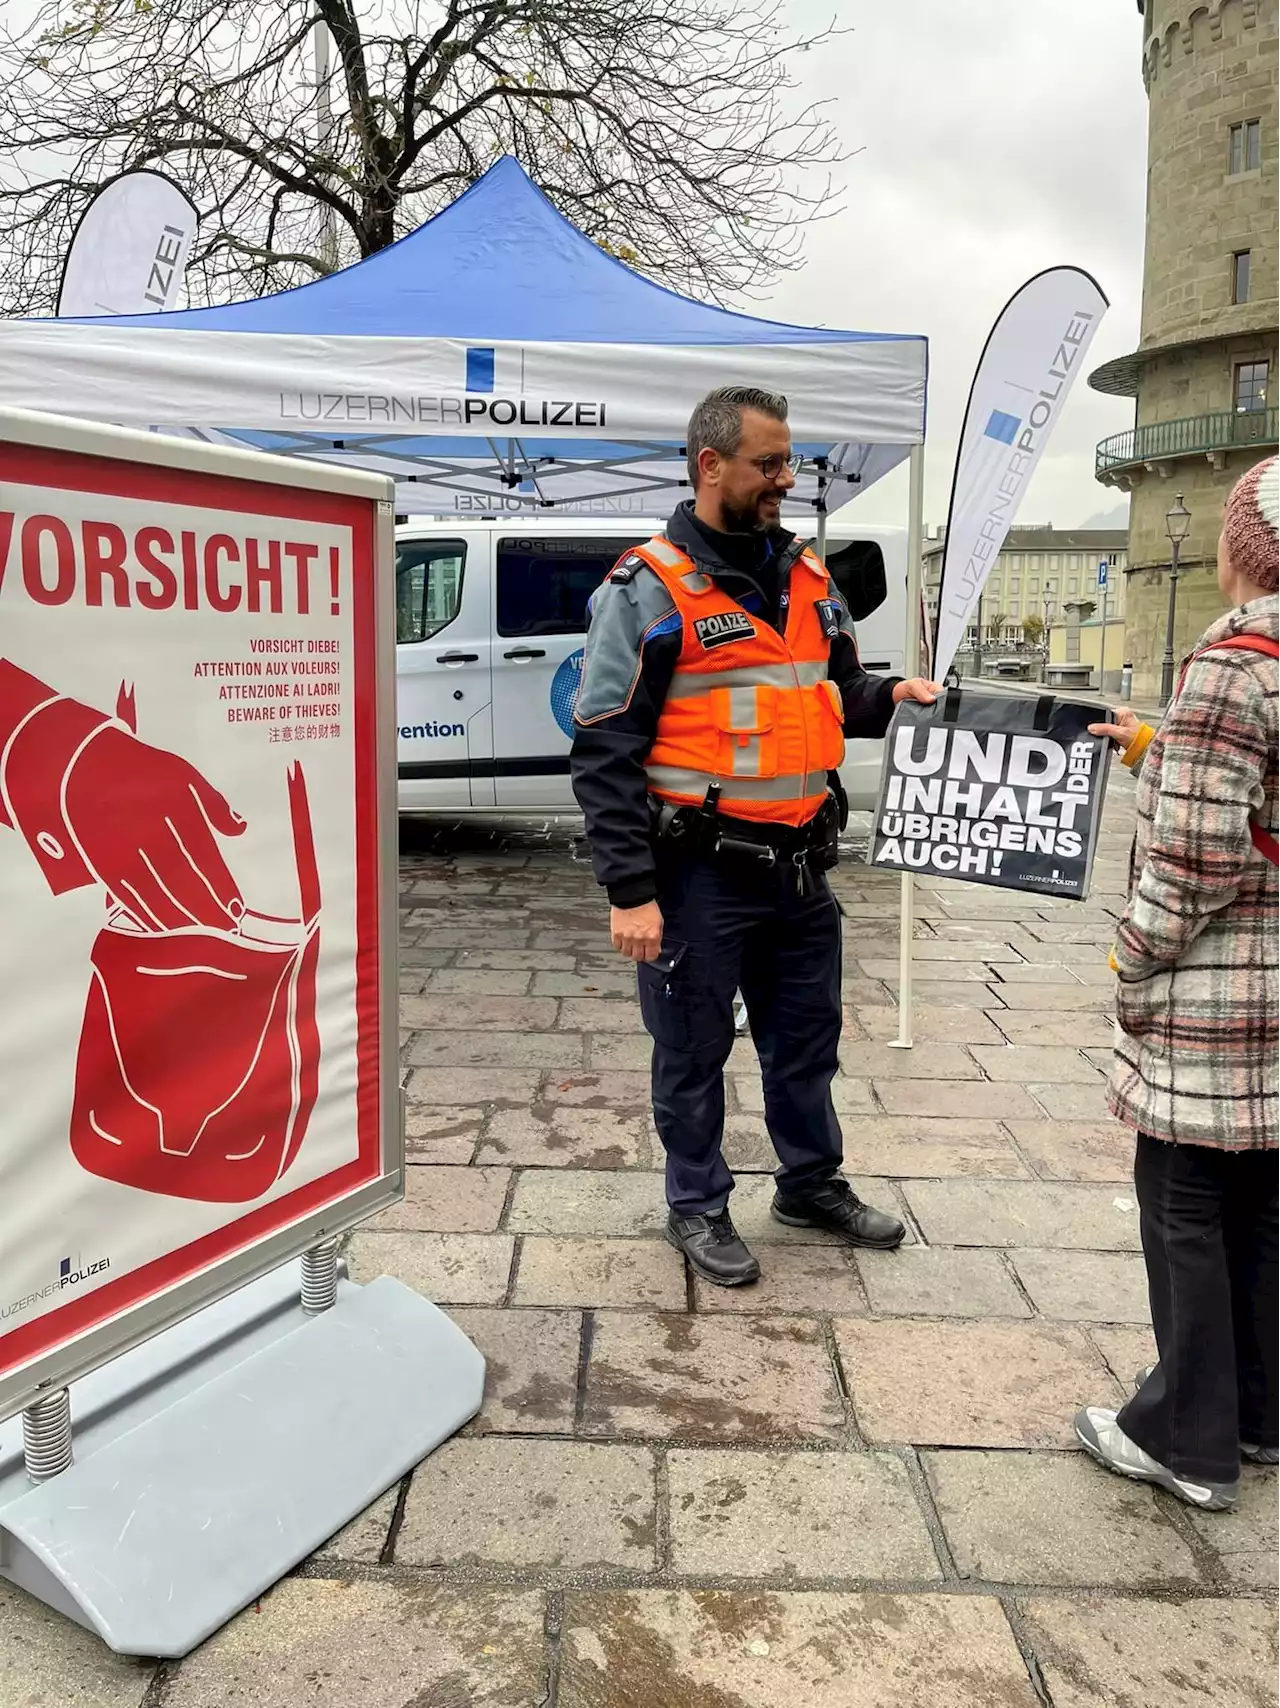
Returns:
<point x="215" y="1456"/>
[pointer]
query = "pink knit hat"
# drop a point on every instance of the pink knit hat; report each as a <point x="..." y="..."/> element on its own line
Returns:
<point x="1251" y="524"/>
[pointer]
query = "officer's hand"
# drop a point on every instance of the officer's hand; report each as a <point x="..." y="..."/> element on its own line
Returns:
<point x="916" y="688"/>
<point x="637" y="931"/>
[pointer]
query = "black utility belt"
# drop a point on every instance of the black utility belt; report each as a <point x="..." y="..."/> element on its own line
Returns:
<point x="706" y="833"/>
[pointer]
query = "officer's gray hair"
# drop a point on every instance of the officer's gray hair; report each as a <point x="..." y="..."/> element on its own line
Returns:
<point x="716" y="423"/>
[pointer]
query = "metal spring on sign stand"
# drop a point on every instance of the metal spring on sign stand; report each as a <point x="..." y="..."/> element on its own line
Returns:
<point x="320" y="1277"/>
<point x="46" y="1436"/>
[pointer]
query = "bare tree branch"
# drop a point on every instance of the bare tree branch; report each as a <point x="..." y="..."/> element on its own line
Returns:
<point x="664" y="128"/>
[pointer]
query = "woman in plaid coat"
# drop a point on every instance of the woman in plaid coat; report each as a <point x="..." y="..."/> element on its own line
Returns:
<point x="1195" y="1067"/>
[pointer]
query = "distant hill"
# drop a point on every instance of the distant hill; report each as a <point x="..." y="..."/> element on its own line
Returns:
<point x="1118" y="517"/>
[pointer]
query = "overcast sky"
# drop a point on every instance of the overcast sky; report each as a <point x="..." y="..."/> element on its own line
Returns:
<point x="998" y="137"/>
<point x="994" y="138"/>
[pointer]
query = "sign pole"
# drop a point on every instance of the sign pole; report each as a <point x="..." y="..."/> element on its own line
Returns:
<point x="1103" y="579"/>
<point x="906" y="901"/>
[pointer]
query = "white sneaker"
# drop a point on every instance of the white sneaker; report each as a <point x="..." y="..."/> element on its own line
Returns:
<point x="1100" y="1435"/>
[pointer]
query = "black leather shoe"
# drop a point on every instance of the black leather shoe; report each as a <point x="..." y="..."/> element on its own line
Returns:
<point x="714" y="1248"/>
<point x="837" y="1207"/>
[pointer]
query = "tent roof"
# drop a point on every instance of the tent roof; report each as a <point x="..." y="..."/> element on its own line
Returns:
<point x="499" y="263"/>
<point x="478" y="360"/>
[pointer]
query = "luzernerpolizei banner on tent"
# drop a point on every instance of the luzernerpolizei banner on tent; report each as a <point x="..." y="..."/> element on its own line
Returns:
<point x="198" y="1050"/>
<point x="993" y="789"/>
<point x="433" y="361"/>
<point x="1031" y="359"/>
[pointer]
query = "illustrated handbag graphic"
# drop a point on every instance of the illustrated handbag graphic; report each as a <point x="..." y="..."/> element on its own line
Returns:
<point x="199" y="1051"/>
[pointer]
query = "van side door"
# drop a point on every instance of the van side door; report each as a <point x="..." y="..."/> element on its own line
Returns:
<point x="444" y="694"/>
<point x="541" y="587"/>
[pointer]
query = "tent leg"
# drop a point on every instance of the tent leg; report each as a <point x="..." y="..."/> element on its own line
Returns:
<point x="906" y="918"/>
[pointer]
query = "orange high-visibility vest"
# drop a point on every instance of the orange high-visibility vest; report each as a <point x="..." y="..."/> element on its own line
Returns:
<point x="748" y="707"/>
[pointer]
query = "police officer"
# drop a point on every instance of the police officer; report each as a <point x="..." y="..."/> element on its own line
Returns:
<point x="720" y="680"/>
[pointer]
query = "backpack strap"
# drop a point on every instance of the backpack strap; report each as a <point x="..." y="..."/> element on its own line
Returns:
<point x="1234" y="643"/>
<point x="1262" y="840"/>
<point x="1247" y="643"/>
<point x="1265" y="843"/>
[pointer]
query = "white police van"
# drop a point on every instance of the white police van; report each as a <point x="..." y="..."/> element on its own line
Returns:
<point x="491" y="618"/>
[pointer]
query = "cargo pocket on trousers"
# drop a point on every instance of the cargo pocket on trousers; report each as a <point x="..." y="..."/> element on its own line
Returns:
<point x="673" y="1016"/>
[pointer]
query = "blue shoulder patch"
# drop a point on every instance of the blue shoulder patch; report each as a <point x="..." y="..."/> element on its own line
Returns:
<point x="671" y="624"/>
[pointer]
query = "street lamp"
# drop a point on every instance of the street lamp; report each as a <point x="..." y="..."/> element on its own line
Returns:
<point x="1177" y="524"/>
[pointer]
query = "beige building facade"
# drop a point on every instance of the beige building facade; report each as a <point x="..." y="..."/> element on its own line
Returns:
<point x="1204" y="373"/>
<point x="1039" y="573"/>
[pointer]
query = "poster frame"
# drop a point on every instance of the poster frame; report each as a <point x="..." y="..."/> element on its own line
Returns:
<point x="81" y="1352"/>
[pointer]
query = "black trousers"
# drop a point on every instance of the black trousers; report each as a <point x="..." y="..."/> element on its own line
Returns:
<point x="1209" y="1237"/>
<point x="729" y="925"/>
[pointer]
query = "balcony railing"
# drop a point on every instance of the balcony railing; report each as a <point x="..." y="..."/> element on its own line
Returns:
<point x="1226" y="430"/>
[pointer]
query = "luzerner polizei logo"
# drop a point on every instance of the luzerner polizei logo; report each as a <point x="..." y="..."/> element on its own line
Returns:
<point x="72" y="1272"/>
<point x="1001" y="459"/>
<point x="478" y="401"/>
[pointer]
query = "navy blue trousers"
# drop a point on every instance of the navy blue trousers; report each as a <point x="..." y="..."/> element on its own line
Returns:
<point x="729" y="926"/>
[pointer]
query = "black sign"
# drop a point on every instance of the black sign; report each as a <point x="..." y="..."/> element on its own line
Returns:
<point x="993" y="789"/>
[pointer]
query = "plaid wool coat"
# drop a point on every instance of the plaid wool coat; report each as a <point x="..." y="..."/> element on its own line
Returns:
<point x="1196" y="950"/>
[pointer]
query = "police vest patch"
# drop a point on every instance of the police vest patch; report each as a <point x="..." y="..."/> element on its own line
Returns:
<point x="829" y="616"/>
<point x="626" y="570"/>
<point x="720" y="630"/>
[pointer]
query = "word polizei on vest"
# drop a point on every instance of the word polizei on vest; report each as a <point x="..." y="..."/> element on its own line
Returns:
<point x="722" y="630"/>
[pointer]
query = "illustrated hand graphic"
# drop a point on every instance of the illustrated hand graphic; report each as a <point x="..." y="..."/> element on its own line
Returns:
<point x="96" y="805"/>
<point x="143" y="821"/>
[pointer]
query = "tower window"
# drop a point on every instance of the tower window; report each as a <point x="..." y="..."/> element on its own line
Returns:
<point x="1245" y="151"/>
<point x="1251" y="387"/>
<point x="1240" y="276"/>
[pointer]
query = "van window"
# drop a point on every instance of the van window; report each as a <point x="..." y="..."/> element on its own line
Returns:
<point x="544" y="584"/>
<point x="857" y="568"/>
<point x="428" y="586"/>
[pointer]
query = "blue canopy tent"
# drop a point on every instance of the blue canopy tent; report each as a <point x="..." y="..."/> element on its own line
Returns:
<point x="494" y="359"/>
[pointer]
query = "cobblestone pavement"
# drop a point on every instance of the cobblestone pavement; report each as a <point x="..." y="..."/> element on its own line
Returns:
<point x="851" y="1486"/>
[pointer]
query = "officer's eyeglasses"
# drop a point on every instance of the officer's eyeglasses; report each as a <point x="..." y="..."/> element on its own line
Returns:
<point x="772" y="466"/>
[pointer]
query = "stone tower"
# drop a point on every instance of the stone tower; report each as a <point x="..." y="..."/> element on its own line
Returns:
<point x="1204" y="372"/>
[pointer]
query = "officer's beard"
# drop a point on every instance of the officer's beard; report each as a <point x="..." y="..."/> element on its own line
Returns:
<point x="746" y="518"/>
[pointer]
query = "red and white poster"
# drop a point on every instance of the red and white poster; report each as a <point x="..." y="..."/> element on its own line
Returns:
<point x="189" y="924"/>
